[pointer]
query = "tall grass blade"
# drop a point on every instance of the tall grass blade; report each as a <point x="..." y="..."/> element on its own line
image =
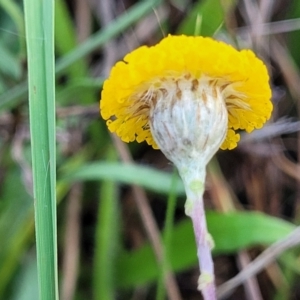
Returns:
<point x="39" y="24"/>
<point x="106" y="249"/>
<point x="167" y="237"/>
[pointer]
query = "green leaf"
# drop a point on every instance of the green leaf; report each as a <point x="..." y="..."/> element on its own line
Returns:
<point x="205" y="18"/>
<point x="127" y="173"/>
<point x="231" y="232"/>
<point x="107" y="238"/>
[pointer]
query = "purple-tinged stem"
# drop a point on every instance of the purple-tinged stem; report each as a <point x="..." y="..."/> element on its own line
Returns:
<point x="204" y="245"/>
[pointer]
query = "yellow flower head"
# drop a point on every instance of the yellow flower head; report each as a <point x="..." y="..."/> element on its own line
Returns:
<point x="149" y="75"/>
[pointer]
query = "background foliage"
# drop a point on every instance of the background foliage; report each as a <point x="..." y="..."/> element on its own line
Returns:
<point x="103" y="242"/>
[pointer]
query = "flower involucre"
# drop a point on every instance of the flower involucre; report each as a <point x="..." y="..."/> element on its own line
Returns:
<point x="180" y="66"/>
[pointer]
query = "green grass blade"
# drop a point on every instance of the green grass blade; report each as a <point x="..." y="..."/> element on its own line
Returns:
<point x="128" y="174"/>
<point x="167" y="236"/>
<point x="66" y="39"/>
<point x="99" y="39"/>
<point x="13" y="96"/>
<point x="106" y="240"/>
<point x="39" y="24"/>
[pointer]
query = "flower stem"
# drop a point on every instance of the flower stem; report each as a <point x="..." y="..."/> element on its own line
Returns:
<point x="204" y="243"/>
<point x="193" y="177"/>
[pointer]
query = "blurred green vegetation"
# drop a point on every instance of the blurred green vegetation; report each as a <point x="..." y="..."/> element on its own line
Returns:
<point x="114" y="259"/>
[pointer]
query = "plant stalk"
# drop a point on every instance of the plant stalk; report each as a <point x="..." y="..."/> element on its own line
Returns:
<point x="206" y="283"/>
<point x="194" y="182"/>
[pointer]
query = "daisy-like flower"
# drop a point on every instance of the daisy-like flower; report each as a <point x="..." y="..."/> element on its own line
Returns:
<point x="188" y="96"/>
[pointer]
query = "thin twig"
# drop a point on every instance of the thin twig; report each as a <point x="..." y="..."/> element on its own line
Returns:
<point x="18" y="156"/>
<point x="226" y="201"/>
<point x="71" y="243"/>
<point x="83" y="20"/>
<point x="287" y="166"/>
<point x="72" y="233"/>
<point x="252" y="289"/>
<point x="292" y="77"/>
<point x="263" y="260"/>
<point x="273" y="27"/>
<point x="146" y="27"/>
<point x="78" y="110"/>
<point x="105" y="12"/>
<point x="256" y="14"/>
